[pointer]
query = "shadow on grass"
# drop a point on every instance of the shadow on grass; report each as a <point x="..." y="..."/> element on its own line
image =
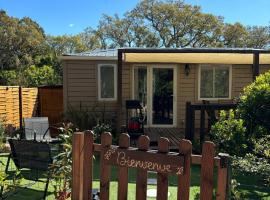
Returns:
<point x="22" y="193"/>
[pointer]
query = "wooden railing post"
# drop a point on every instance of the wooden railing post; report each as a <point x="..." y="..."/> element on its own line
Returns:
<point x="202" y="126"/>
<point x="77" y="172"/>
<point x="188" y="121"/>
<point x="207" y="171"/>
<point x="223" y="180"/>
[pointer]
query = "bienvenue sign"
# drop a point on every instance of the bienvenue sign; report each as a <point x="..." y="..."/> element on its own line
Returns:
<point x="147" y="160"/>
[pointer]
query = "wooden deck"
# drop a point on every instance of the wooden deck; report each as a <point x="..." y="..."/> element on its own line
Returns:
<point x="173" y="134"/>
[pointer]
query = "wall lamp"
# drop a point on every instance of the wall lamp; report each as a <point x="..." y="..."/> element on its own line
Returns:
<point x="187" y="69"/>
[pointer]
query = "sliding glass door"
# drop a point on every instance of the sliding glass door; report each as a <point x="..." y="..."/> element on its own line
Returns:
<point x="155" y="87"/>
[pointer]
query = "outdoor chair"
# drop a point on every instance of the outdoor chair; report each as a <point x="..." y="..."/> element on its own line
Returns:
<point x="32" y="155"/>
<point x="38" y="129"/>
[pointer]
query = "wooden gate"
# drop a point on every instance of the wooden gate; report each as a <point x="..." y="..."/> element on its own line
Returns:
<point x="161" y="161"/>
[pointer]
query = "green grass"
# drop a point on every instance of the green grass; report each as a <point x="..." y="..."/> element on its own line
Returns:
<point x="250" y="186"/>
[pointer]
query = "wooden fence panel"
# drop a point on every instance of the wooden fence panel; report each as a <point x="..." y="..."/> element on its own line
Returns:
<point x="143" y="159"/>
<point x="51" y="103"/>
<point x="29" y="102"/>
<point x="48" y="100"/>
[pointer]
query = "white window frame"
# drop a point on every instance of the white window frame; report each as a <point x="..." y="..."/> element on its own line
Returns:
<point x="115" y="82"/>
<point x="215" y="66"/>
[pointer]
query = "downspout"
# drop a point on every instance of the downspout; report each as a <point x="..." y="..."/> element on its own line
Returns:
<point x="119" y="87"/>
<point x="256" y="65"/>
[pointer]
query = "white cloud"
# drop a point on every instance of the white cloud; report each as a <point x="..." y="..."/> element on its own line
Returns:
<point x="71" y="25"/>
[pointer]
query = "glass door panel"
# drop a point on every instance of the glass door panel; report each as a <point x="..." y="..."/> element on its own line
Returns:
<point x="162" y="96"/>
<point x="140" y="88"/>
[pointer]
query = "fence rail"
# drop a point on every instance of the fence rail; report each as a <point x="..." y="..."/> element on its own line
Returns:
<point x="161" y="161"/>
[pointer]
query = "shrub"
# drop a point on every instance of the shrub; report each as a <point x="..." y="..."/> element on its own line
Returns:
<point x="99" y="129"/>
<point x="229" y="134"/>
<point x="82" y="119"/>
<point x="254" y="106"/>
<point x="250" y="164"/>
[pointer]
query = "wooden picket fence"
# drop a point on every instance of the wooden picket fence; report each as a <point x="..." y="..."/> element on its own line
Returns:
<point x="161" y="161"/>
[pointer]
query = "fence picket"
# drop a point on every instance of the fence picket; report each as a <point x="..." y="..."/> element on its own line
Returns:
<point x="222" y="178"/>
<point x="124" y="143"/>
<point x="141" y="181"/>
<point x="162" y="178"/>
<point x="185" y="147"/>
<point x="207" y="171"/>
<point x="87" y="164"/>
<point x="106" y="141"/>
<point x="77" y="146"/>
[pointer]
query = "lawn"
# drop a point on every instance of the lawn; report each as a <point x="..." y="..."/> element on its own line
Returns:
<point x="250" y="186"/>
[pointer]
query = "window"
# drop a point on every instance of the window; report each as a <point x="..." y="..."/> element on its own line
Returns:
<point x="107" y="82"/>
<point x="215" y="82"/>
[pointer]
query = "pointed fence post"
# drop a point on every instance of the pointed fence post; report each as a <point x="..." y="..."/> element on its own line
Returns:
<point x="162" y="178"/>
<point x="141" y="181"/>
<point x="207" y="171"/>
<point x="106" y="141"/>
<point x="124" y="142"/>
<point x="185" y="148"/>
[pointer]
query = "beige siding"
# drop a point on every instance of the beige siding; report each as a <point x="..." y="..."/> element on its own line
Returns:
<point x="241" y="77"/>
<point x="264" y="68"/>
<point x="81" y="89"/>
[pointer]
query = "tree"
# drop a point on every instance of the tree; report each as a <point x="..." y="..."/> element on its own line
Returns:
<point x="178" y="24"/>
<point x="66" y="44"/>
<point x="21" y="41"/>
<point x="126" y="32"/>
<point x="37" y="76"/>
<point x="234" y="35"/>
<point x="258" y="36"/>
<point x="90" y="39"/>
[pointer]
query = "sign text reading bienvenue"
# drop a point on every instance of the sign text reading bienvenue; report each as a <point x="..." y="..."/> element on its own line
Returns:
<point x="149" y="160"/>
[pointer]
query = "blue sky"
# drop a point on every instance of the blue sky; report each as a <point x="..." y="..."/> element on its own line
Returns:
<point x="73" y="16"/>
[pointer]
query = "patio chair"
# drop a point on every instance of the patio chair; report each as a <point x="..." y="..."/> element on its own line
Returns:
<point x="32" y="155"/>
<point x="37" y="128"/>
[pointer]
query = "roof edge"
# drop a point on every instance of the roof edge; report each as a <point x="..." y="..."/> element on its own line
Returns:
<point x="75" y="57"/>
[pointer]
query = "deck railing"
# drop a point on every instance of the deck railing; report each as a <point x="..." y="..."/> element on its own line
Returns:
<point x="210" y="109"/>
